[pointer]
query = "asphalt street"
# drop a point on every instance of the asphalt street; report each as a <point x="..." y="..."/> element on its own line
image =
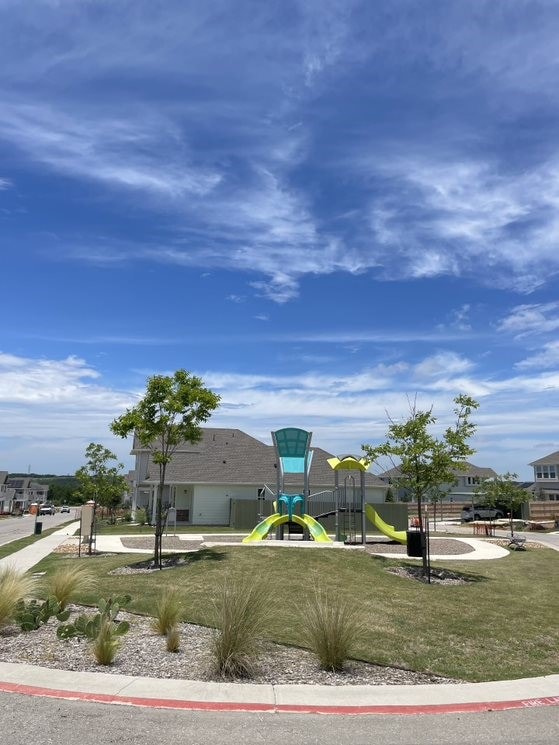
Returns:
<point x="43" y="721"/>
<point x="12" y="528"/>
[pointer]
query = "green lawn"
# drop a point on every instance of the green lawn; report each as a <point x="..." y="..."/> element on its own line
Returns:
<point x="13" y="546"/>
<point x="502" y="625"/>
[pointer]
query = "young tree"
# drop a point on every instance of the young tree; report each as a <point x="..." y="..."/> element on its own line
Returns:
<point x="427" y="462"/>
<point x="171" y="411"/>
<point x="99" y="481"/>
<point x="503" y="490"/>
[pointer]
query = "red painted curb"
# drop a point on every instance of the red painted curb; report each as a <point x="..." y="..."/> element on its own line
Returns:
<point x="161" y="703"/>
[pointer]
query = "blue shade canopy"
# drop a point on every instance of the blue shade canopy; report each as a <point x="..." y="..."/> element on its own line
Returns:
<point x="296" y="465"/>
<point x="292" y="442"/>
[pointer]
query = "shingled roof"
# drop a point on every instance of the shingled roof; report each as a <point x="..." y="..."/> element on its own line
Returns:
<point x="548" y="460"/>
<point x="230" y="456"/>
<point x="469" y="470"/>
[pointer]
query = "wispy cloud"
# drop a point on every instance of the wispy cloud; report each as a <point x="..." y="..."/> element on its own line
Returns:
<point x="538" y="318"/>
<point x="45" y="403"/>
<point x="138" y="153"/>
<point x="473" y="218"/>
<point x="546" y="357"/>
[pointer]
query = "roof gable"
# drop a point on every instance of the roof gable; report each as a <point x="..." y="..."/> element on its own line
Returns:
<point x="548" y="460"/>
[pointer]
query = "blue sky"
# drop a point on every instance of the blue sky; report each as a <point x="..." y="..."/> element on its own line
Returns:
<point x="325" y="209"/>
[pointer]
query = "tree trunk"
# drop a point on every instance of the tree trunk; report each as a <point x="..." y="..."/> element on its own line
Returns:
<point x="158" y="524"/>
<point x="423" y="536"/>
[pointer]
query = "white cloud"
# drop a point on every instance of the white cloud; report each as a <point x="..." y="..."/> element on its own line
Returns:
<point x="51" y="409"/>
<point x="450" y="216"/>
<point x="443" y="363"/>
<point x="133" y="152"/>
<point x="546" y="357"/>
<point x="538" y="318"/>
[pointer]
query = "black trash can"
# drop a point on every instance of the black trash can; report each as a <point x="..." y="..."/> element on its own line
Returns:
<point x="38" y="528"/>
<point x="414" y="539"/>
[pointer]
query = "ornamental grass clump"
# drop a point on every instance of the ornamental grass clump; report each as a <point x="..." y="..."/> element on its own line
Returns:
<point x="71" y="581"/>
<point x="242" y="616"/>
<point x="173" y="639"/>
<point x="332" y="628"/>
<point x="167" y="610"/>
<point x="107" y="642"/>
<point x="15" y="587"/>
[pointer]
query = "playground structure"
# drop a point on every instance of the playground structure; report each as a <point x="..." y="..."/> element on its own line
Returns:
<point x="294" y="456"/>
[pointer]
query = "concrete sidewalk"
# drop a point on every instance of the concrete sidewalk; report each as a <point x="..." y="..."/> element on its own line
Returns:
<point x="27" y="557"/>
<point x="111" y="688"/>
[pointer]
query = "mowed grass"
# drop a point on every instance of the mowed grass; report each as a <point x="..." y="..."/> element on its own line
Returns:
<point x="501" y="625"/>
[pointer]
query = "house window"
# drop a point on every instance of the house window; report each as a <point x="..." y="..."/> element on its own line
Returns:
<point x="546" y="472"/>
<point x="472" y="480"/>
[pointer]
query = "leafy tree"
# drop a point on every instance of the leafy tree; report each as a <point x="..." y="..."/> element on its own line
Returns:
<point x="101" y="481"/>
<point x="171" y="411"/>
<point x="427" y="462"/>
<point x="503" y="490"/>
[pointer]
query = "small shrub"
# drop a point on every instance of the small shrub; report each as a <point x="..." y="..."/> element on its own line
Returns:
<point x="173" y="639"/>
<point x="106" y="643"/>
<point x="15" y="586"/>
<point x="242" y="616"/>
<point x="69" y="581"/>
<point x="141" y="517"/>
<point x="167" y="610"/>
<point x="332" y="628"/>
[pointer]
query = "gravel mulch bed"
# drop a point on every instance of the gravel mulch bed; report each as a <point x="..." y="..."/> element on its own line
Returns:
<point x="439" y="546"/>
<point x="171" y="543"/>
<point x="143" y="654"/>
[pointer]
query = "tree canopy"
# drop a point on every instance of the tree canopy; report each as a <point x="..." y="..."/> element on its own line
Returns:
<point x="99" y="481"/>
<point x="170" y="412"/>
<point x="426" y="462"/>
<point x="504" y="491"/>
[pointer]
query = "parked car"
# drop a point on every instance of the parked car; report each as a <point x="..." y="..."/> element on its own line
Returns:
<point x="65" y="508"/>
<point x="481" y="512"/>
<point x="47" y="509"/>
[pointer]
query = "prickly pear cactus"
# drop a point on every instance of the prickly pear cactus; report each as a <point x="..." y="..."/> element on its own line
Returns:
<point x="88" y="626"/>
<point x="33" y="614"/>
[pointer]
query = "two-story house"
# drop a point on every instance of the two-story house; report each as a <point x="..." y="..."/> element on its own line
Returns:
<point x="7" y="494"/>
<point x="462" y="490"/>
<point x="546" y="478"/>
<point x="26" y="491"/>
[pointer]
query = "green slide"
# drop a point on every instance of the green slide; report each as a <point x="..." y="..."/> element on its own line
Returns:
<point x="376" y="519"/>
<point x="262" y="529"/>
<point x="316" y="529"/>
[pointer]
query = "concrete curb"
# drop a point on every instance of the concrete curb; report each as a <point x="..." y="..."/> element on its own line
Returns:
<point x="341" y="700"/>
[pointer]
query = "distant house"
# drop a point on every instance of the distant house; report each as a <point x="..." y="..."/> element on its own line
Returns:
<point x="228" y="464"/>
<point x="546" y="478"/>
<point x="462" y="490"/>
<point x="7" y="494"/>
<point x="26" y="491"/>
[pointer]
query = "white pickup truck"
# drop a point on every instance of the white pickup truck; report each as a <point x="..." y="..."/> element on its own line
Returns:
<point x="47" y="509"/>
<point x="480" y="512"/>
